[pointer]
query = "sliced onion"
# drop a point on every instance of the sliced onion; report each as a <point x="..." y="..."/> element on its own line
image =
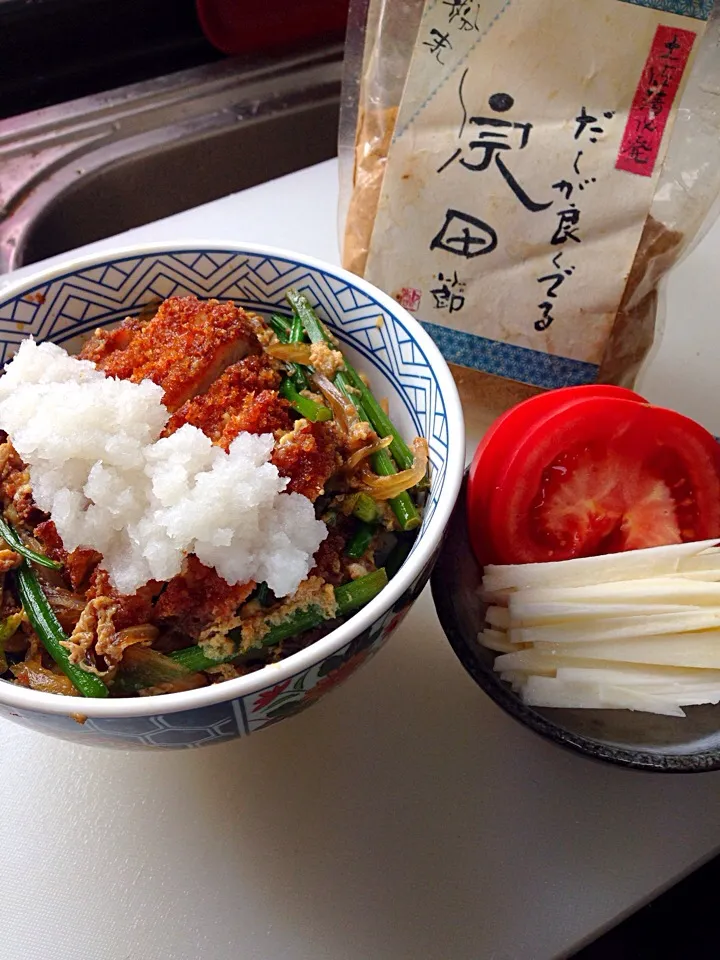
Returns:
<point x="144" y="669"/>
<point x="385" y="488"/>
<point x="355" y="458"/>
<point x="291" y="352"/>
<point x="67" y="605"/>
<point x="112" y="652"/>
<point x="343" y="410"/>
<point x="32" y="674"/>
<point x="65" y="599"/>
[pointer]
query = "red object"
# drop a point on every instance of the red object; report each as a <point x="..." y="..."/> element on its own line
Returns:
<point x="588" y="471"/>
<point x="236" y="27"/>
<point x="605" y="475"/>
<point x="409" y="298"/>
<point x="653" y="100"/>
<point x="502" y="438"/>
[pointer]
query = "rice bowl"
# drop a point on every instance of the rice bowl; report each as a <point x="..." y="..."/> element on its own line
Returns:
<point x="402" y="363"/>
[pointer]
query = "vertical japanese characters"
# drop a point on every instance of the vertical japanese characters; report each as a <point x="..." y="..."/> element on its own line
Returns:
<point x="486" y="141"/>
<point x="653" y="100"/>
<point x="588" y="129"/>
<point x="462" y="18"/>
<point x="521" y="163"/>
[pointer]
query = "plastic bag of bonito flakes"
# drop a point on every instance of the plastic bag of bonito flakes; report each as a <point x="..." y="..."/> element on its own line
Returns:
<point x="521" y="176"/>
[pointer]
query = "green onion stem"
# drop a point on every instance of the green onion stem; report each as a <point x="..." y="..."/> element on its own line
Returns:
<point x="359" y="542"/>
<point x="51" y="634"/>
<point x="349" y="381"/>
<point x="194" y="659"/>
<point x="305" y="406"/>
<point x="349" y="597"/>
<point x="12" y="539"/>
<point x="365" y="508"/>
<point x="355" y="594"/>
<point x="284" y="330"/>
<point x="380" y="421"/>
<point x="383" y="464"/>
<point x="376" y="416"/>
<point x="281" y="326"/>
<point x="297" y="331"/>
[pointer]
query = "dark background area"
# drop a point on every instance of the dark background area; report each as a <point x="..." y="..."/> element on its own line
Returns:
<point x="57" y="50"/>
<point x="679" y="925"/>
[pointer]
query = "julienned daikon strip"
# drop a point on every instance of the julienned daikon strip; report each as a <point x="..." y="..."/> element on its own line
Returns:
<point x="498" y="617"/>
<point x="700" y="650"/>
<point x="655" y="590"/>
<point x="680" y="691"/>
<point x="684" y="693"/>
<point x="707" y="563"/>
<point x="667" y="680"/>
<point x="515" y="678"/>
<point x="617" y="628"/>
<point x="551" y="692"/>
<point x="496" y="640"/>
<point x="703" y="576"/>
<point x="634" y="564"/>
<point x="524" y="614"/>
<point x="530" y="660"/>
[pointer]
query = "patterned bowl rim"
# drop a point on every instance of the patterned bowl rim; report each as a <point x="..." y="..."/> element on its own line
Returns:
<point x="21" y="698"/>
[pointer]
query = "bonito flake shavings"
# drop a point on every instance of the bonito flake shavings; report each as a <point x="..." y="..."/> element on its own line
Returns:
<point x="97" y="467"/>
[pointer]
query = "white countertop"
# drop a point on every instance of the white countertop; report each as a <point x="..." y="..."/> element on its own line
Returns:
<point x="439" y="830"/>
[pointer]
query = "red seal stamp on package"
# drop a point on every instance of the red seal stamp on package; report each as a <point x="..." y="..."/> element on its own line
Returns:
<point x="409" y="298"/>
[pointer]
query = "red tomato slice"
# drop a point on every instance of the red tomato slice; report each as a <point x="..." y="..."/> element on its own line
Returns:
<point x="605" y="475"/>
<point x="499" y="443"/>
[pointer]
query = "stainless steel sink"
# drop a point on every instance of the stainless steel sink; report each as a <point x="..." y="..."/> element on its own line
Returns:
<point x="94" y="167"/>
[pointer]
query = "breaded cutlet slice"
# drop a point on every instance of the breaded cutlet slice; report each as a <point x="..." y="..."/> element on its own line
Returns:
<point x="244" y="398"/>
<point x="186" y="345"/>
<point x="309" y="456"/>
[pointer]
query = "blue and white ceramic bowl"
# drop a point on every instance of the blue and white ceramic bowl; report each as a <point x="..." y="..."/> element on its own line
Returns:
<point x="67" y="303"/>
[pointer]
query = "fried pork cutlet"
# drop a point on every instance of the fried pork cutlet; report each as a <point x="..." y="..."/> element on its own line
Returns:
<point x="199" y="596"/>
<point x="244" y="398"/>
<point x="198" y="352"/>
<point x="186" y="345"/>
<point x="308" y="455"/>
<point x="79" y="564"/>
<point x="104" y="343"/>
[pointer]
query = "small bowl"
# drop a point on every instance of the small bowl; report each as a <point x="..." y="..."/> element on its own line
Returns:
<point x="66" y="303"/>
<point x="627" y="738"/>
